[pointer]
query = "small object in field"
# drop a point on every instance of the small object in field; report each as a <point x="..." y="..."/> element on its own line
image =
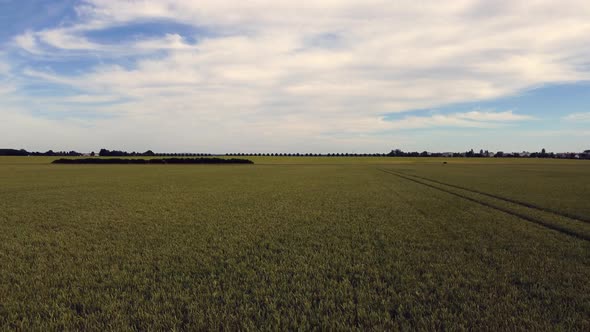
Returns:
<point x="444" y="162"/>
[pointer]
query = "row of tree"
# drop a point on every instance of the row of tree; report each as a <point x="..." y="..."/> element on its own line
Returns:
<point x="102" y="153"/>
<point x="487" y="154"/>
<point x="148" y="153"/>
<point x="399" y="153"/>
<point x="307" y="154"/>
<point x="394" y="153"/>
<point x="22" y="152"/>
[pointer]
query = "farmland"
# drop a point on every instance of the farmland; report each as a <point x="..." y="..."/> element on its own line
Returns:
<point x="286" y="243"/>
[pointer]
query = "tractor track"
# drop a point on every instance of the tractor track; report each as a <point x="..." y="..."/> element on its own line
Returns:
<point x="557" y="228"/>
<point x="509" y="200"/>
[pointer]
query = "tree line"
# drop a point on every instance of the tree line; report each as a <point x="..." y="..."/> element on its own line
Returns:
<point x="148" y="153"/>
<point x="399" y="153"/>
<point x="101" y="153"/>
<point x="287" y="154"/>
<point x="393" y="153"/>
<point x="22" y="152"/>
<point x="487" y="154"/>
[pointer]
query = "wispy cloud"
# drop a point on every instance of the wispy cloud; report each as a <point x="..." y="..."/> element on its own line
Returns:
<point x="300" y="71"/>
<point x="66" y="39"/>
<point x="493" y="116"/>
<point x="579" y="117"/>
<point x="4" y="67"/>
<point x="28" y="42"/>
<point x="473" y="119"/>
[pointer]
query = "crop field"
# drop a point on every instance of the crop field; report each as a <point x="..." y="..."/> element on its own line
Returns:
<point x="296" y="243"/>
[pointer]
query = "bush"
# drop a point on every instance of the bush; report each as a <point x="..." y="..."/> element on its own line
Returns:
<point x="153" y="161"/>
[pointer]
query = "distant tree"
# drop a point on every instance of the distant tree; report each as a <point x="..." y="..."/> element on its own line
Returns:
<point x="396" y="153"/>
<point x="543" y="153"/>
<point x="13" y="152"/>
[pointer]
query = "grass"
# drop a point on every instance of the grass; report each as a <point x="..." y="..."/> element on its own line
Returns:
<point x="329" y="243"/>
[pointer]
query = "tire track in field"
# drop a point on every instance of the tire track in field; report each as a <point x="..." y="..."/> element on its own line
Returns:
<point x="506" y="199"/>
<point x="538" y="221"/>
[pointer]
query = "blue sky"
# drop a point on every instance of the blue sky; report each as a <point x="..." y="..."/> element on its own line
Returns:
<point x="274" y="76"/>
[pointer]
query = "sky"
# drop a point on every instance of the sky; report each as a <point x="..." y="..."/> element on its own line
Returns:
<point x="295" y="76"/>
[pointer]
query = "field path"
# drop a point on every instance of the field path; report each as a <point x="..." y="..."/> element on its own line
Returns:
<point x="550" y="219"/>
<point x="510" y="200"/>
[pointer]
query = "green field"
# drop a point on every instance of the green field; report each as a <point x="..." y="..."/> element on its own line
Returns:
<point x="296" y="243"/>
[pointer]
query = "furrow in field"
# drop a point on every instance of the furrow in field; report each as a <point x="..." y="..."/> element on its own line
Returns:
<point x="556" y="222"/>
<point x="510" y="200"/>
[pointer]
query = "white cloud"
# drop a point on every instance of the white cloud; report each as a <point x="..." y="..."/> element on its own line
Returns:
<point x="66" y="39"/>
<point x="169" y="42"/>
<point x="556" y="133"/>
<point x="300" y="70"/>
<point x="474" y="119"/>
<point x="88" y="99"/>
<point x="4" y="68"/>
<point x="493" y="116"/>
<point x="6" y="89"/>
<point x="578" y="117"/>
<point x="17" y="126"/>
<point x="28" y="42"/>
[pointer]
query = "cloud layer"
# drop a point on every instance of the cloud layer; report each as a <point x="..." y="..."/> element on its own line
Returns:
<point x="296" y="76"/>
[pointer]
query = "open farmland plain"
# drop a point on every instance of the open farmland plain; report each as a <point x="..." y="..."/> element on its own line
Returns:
<point x="288" y="243"/>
